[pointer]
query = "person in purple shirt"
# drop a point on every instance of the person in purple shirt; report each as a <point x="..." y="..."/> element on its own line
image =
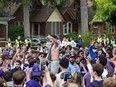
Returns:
<point x="6" y="50"/>
<point x="96" y="73"/>
<point x="35" y="77"/>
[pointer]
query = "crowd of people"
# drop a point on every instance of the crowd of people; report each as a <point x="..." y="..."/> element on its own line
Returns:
<point x="66" y="64"/>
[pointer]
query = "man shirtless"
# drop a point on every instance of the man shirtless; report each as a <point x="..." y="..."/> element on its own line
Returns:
<point x="53" y="54"/>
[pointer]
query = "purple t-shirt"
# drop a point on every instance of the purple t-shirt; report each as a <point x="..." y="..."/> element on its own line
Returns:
<point x="90" y="84"/>
<point x="32" y="83"/>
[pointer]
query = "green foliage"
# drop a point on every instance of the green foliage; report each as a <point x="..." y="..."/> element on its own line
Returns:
<point x="26" y="3"/>
<point x="106" y="10"/>
<point x="87" y="37"/>
<point x="73" y="35"/>
<point x="15" y="30"/>
<point x="4" y="3"/>
<point x="108" y="31"/>
<point x="59" y="3"/>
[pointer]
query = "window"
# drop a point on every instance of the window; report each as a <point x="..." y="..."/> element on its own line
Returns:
<point x="35" y="29"/>
<point x="95" y="26"/>
<point x="67" y="28"/>
<point x="2" y="31"/>
<point x="112" y="28"/>
<point x="19" y="23"/>
<point x="54" y="28"/>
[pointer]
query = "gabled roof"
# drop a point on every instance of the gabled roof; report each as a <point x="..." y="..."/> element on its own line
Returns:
<point x="5" y="16"/>
<point x="13" y="8"/>
<point x="42" y="14"/>
<point x="67" y="9"/>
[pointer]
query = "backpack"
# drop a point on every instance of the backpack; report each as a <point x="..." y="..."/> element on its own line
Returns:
<point x="95" y="84"/>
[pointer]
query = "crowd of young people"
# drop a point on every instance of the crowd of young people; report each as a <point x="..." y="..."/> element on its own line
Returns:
<point x="66" y="64"/>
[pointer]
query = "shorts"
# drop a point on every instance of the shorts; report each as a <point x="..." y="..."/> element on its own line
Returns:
<point x="54" y="66"/>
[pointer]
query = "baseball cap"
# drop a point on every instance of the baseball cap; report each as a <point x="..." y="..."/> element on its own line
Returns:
<point x="72" y="56"/>
<point x="48" y="85"/>
<point x="36" y="70"/>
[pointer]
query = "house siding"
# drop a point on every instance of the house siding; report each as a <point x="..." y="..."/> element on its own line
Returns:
<point x="18" y="16"/>
<point x="100" y="30"/>
<point x="55" y="16"/>
<point x="2" y="34"/>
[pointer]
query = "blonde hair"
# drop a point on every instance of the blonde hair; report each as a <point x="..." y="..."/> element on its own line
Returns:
<point x="109" y="82"/>
<point x="72" y="85"/>
<point x="69" y="84"/>
<point x="77" y="78"/>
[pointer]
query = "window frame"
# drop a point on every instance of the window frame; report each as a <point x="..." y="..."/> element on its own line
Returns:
<point x="66" y="27"/>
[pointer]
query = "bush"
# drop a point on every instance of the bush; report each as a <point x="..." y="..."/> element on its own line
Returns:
<point x="87" y="37"/>
<point x="73" y="35"/>
<point x="15" y="30"/>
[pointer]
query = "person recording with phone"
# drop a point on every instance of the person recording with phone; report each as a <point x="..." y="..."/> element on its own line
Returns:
<point x="35" y="78"/>
<point x="64" y="62"/>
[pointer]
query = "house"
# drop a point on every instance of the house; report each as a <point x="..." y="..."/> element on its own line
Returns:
<point x="70" y="14"/>
<point x="98" y="26"/>
<point x="4" y="18"/>
<point x="44" y="20"/>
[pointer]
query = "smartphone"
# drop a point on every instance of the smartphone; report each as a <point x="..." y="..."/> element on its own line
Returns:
<point x="66" y="76"/>
<point x="42" y="63"/>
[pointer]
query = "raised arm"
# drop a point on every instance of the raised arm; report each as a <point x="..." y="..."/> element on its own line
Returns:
<point x="53" y="39"/>
<point x="47" y="78"/>
<point x="14" y="57"/>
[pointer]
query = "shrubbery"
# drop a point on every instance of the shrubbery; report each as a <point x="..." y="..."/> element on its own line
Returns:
<point x="73" y="35"/>
<point x="15" y="30"/>
<point x="87" y="37"/>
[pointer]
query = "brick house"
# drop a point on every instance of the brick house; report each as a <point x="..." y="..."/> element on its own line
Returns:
<point x="70" y="14"/>
<point x="4" y="18"/>
<point x="44" y="20"/>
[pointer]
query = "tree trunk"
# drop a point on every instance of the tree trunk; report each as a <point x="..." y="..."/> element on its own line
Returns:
<point x="84" y="16"/>
<point x="26" y="21"/>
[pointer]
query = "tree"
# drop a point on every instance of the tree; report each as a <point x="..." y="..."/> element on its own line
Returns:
<point x="4" y="3"/>
<point x="106" y="10"/>
<point x="26" y="7"/>
<point x="26" y="20"/>
<point x="59" y="3"/>
<point x="84" y="16"/>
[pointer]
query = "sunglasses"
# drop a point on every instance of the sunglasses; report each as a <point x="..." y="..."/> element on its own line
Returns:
<point x="42" y="56"/>
<point x="81" y="53"/>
